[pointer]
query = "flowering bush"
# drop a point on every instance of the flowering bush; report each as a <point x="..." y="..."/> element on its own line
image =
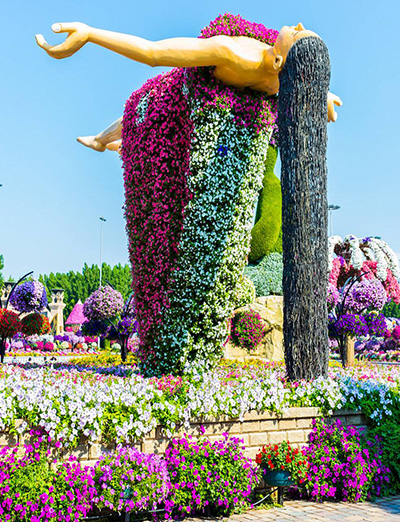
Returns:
<point x="29" y="297"/>
<point x="35" y="323"/>
<point x="247" y="329"/>
<point x="9" y="323"/>
<point x="103" y="304"/>
<point x="283" y="457"/>
<point x="213" y="477"/>
<point x="343" y="465"/>
<point x="129" y="480"/>
<point x="32" y="489"/>
<point x="245" y="293"/>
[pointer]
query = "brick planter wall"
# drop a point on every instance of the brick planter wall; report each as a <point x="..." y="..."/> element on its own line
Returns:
<point x="256" y="429"/>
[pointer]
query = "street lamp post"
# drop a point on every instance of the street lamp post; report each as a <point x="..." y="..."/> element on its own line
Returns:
<point x="331" y="208"/>
<point x="102" y="220"/>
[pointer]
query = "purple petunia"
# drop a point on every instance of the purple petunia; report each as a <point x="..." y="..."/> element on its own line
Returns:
<point x="29" y="297"/>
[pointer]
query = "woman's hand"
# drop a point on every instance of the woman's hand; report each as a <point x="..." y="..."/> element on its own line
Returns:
<point x="332" y="101"/>
<point x="78" y="35"/>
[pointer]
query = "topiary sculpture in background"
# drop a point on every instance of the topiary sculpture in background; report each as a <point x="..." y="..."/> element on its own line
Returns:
<point x="266" y="233"/>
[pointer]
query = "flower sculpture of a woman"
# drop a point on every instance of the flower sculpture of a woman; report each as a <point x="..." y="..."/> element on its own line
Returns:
<point x="194" y="145"/>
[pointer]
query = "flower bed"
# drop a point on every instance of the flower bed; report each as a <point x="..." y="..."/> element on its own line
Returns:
<point x="71" y="401"/>
<point x="68" y="343"/>
<point x="89" y="409"/>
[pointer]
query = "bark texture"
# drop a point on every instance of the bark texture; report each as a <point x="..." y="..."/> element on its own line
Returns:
<point x="302" y="117"/>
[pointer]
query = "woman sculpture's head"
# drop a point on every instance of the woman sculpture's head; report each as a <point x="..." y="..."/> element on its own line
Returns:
<point x="287" y="36"/>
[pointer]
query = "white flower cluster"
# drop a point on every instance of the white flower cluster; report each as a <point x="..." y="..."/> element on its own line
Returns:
<point x="368" y="248"/>
<point x="69" y="404"/>
<point x="227" y="165"/>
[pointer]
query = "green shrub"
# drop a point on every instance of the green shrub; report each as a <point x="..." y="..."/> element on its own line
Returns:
<point x="267" y="275"/>
<point x="391" y="309"/>
<point x="268" y="226"/>
<point x="245" y="292"/>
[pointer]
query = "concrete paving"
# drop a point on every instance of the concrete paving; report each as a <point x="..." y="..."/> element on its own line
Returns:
<point x="383" y="510"/>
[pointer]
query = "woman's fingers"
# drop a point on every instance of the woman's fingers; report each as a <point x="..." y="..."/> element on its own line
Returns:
<point x="55" y="51"/>
<point x="78" y="35"/>
<point x="66" y="27"/>
<point x="337" y="101"/>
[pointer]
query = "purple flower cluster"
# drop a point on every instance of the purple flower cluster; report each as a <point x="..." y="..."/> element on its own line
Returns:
<point x="29" y="297"/>
<point x="333" y="297"/>
<point x="353" y="325"/>
<point x="376" y="324"/>
<point x="127" y="326"/>
<point x="129" y="480"/>
<point x="247" y="329"/>
<point x="212" y="477"/>
<point x="103" y="304"/>
<point x="33" y="489"/>
<point x="343" y="464"/>
<point x="368" y="294"/>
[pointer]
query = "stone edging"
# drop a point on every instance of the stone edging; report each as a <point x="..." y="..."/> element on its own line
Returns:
<point x="256" y="430"/>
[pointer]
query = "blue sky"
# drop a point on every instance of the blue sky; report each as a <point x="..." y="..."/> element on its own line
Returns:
<point x="54" y="189"/>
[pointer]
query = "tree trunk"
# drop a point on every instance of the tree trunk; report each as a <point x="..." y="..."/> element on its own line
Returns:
<point x="302" y="118"/>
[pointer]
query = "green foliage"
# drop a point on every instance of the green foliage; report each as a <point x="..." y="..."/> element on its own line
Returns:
<point x="245" y="292"/>
<point x="268" y="227"/>
<point x="389" y="435"/>
<point x="391" y="309"/>
<point x="79" y="285"/>
<point x="267" y="275"/>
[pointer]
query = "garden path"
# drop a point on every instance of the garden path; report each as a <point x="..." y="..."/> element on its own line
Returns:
<point x="382" y="510"/>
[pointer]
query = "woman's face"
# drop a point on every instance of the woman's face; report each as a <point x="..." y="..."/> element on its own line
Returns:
<point x="288" y="35"/>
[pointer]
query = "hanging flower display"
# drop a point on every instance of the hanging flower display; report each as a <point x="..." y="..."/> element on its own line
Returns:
<point x="103" y="304"/>
<point x="35" y="324"/>
<point x="369" y="257"/>
<point x="29" y="297"/>
<point x="9" y="323"/>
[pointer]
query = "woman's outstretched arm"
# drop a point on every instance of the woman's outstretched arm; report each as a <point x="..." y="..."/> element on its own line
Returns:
<point x="173" y="52"/>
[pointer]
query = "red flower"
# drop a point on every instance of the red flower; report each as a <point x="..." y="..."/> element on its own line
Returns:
<point x="9" y="323"/>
